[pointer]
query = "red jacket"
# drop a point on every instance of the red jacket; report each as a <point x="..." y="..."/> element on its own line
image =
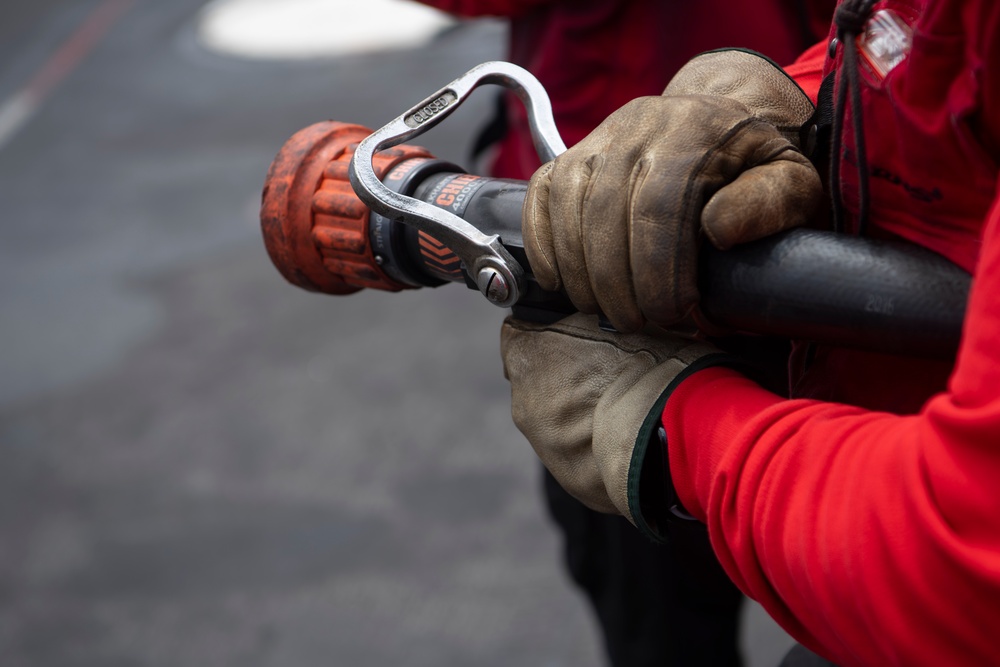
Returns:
<point x="874" y="537"/>
<point x="593" y="56"/>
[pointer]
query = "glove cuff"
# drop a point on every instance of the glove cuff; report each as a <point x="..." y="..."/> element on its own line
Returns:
<point x="650" y="492"/>
<point x="755" y="81"/>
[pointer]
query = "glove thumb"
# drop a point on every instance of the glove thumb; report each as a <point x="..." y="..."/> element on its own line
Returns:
<point x="778" y="194"/>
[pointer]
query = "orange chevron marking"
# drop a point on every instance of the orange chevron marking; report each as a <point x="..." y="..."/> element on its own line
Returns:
<point x="436" y="252"/>
<point x="424" y="236"/>
<point x="437" y="256"/>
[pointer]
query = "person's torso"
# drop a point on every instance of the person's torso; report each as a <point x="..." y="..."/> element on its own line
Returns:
<point x="593" y="56"/>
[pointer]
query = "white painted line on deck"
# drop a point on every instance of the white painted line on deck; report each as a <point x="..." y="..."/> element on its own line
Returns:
<point x="17" y="110"/>
<point x="304" y="29"/>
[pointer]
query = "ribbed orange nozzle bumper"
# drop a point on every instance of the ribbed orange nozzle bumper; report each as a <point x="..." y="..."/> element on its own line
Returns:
<point x="315" y="228"/>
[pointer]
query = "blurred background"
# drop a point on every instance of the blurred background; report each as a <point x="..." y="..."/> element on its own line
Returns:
<point x="202" y="465"/>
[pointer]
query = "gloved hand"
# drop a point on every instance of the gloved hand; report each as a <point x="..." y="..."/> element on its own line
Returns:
<point x="588" y="401"/>
<point x="615" y="221"/>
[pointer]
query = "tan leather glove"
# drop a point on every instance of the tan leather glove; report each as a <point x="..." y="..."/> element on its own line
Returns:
<point x="588" y="401"/>
<point x="615" y="221"/>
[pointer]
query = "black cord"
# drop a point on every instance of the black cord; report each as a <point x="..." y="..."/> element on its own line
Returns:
<point x="850" y="19"/>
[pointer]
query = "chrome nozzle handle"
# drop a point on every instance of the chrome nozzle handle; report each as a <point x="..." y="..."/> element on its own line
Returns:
<point x="499" y="276"/>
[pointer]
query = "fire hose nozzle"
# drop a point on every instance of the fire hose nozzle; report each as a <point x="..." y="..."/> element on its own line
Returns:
<point x="332" y="182"/>
<point x="315" y="228"/>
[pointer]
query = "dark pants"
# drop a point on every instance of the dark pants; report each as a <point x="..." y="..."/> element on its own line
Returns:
<point x="651" y="610"/>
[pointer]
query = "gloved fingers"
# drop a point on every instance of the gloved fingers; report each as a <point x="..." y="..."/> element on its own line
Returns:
<point x="553" y="393"/>
<point x="582" y="328"/>
<point x="779" y="194"/>
<point x="563" y="445"/>
<point x="605" y="221"/>
<point x="663" y="241"/>
<point x="572" y="177"/>
<point x="582" y="397"/>
<point x="530" y="348"/>
<point x="584" y="332"/>
<point x="536" y="229"/>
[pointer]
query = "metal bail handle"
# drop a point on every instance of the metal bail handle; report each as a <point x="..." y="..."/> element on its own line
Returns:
<point x="499" y="276"/>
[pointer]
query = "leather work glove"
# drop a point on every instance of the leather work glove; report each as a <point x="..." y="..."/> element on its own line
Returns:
<point x="589" y="400"/>
<point x="616" y="220"/>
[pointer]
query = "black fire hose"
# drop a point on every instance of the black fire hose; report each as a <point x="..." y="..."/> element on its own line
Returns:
<point x="843" y="290"/>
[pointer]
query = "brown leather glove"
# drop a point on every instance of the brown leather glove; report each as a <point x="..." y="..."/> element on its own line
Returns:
<point x="615" y="221"/>
<point x="588" y="401"/>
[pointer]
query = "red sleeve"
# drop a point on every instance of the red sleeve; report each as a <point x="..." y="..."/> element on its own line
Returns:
<point x="473" y="8"/>
<point x="872" y="538"/>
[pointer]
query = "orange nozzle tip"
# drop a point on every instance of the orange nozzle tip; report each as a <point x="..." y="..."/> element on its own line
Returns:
<point x="286" y="217"/>
<point x="315" y="228"/>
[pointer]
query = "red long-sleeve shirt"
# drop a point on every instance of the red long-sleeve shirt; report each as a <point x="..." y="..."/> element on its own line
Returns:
<point x="874" y="537"/>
